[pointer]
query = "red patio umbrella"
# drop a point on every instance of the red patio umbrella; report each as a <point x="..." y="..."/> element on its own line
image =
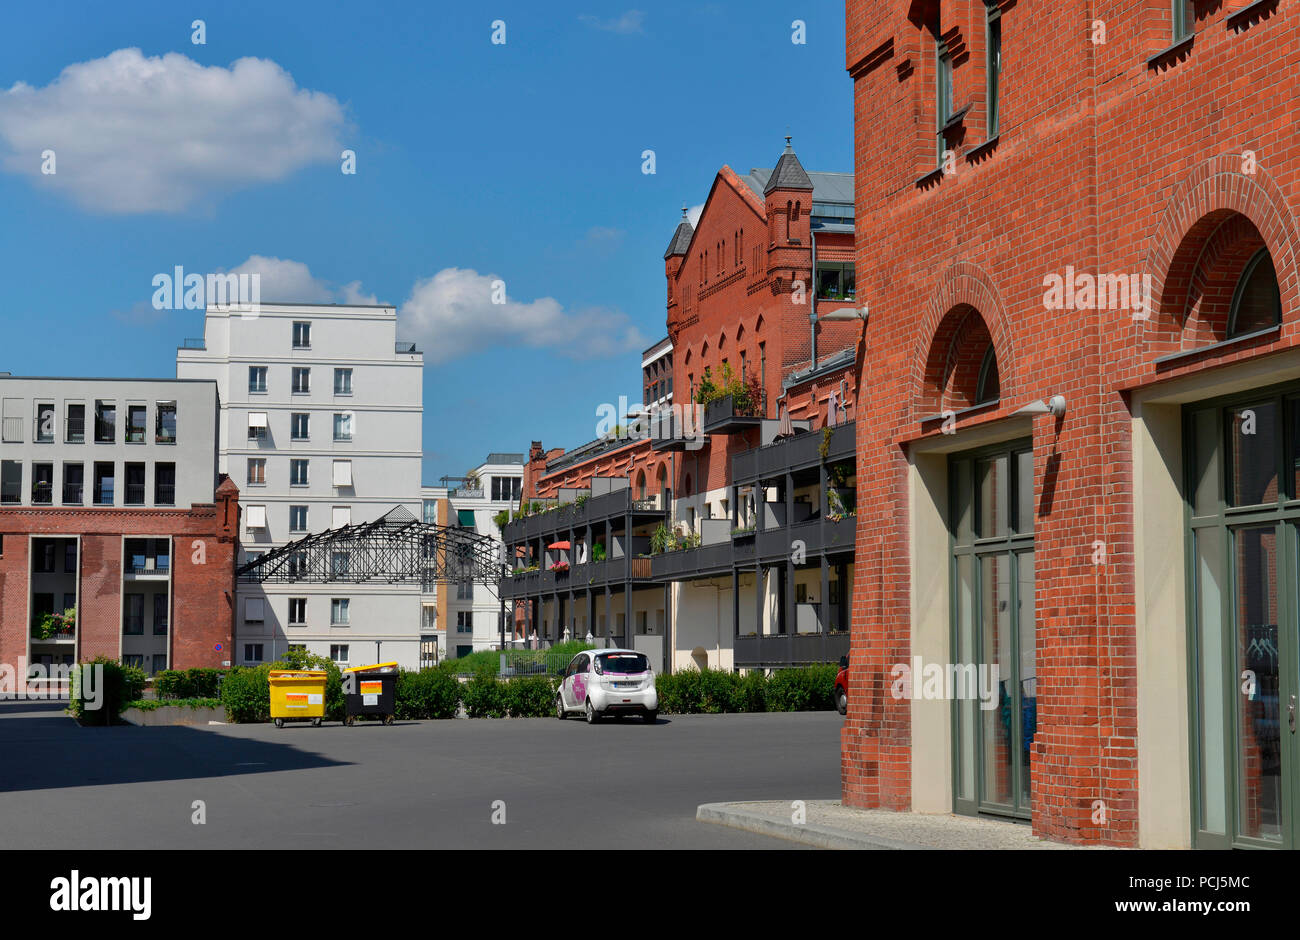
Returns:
<point x="559" y="545"/>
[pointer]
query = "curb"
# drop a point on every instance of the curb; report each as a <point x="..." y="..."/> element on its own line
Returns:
<point x="823" y="837"/>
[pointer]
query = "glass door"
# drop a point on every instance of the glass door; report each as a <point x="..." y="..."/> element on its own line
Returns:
<point x="1244" y="624"/>
<point x="994" y="638"/>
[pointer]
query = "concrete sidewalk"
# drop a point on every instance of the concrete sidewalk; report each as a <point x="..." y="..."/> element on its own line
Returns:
<point x="831" y="825"/>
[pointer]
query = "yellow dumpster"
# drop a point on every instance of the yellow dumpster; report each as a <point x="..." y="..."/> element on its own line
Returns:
<point x="297" y="695"/>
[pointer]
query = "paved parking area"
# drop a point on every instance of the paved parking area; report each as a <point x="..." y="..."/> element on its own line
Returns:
<point x="413" y="785"/>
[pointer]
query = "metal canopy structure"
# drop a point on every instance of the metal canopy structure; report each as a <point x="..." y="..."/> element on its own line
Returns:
<point x="394" y="549"/>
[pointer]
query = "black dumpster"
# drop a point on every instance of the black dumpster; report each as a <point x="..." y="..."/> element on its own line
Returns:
<point x="370" y="690"/>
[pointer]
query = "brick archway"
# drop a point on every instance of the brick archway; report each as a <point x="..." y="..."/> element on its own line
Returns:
<point x="1211" y="200"/>
<point x="963" y="289"/>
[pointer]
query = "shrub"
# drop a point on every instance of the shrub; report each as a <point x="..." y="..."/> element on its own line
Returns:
<point x="530" y="697"/>
<point x="750" y="693"/>
<point x="190" y="683"/>
<point x="484" y="697"/>
<point x="810" y="688"/>
<point x="246" y="694"/>
<point x="429" y="693"/>
<point x="716" y="691"/>
<point x="679" y="692"/>
<point x="120" y="684"/>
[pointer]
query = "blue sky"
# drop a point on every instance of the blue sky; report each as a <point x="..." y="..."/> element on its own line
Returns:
<point x="520" y="161"/>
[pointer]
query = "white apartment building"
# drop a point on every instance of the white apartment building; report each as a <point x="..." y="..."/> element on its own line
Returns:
<point x="468" y="614"/>
<point x="320" y="427"/>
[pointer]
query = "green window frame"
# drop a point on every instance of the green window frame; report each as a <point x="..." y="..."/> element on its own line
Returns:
<point x="943" y="92"/>
<point x="993" y="63"/>
<point x="1238" y="292"/>
<point x="974" y="543"/>
<point x="1183" y="15"/>
<point x="1230" y="518"/>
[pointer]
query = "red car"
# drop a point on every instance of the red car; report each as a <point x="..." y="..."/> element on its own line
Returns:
<point x="842" y="687"/>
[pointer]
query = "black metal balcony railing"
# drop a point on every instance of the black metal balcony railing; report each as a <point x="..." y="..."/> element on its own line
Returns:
<point x="103" y="495"/>
<point x="72" y="494"/>
<point x="790" y="649"/>
<point x="164" y="494"/>
<point x="42" y="493"/>
<point x="573" y="515"/>
<point x="799" y="452"/>
<point x="11" y="493"/>
<point x="726" y="415"/>
<point x="134" y="494"/>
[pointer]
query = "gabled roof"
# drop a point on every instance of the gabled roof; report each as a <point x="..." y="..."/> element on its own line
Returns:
<point x="681" y="238"/>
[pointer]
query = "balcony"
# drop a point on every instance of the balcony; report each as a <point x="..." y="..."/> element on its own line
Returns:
<point x="795" y="453"/>
<point x="724" y="416"/>
<point x="11" y="430"/>
<point x="569" y="514"/>
<point x="672" y="431"/>
<point x="787" y="649"/>
<point x="164" y="494"/>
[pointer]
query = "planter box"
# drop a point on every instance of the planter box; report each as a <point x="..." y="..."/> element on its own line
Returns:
<point x="173" y="715"/>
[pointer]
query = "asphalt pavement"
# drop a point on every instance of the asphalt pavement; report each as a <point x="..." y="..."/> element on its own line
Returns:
<point x="481" y="783"/>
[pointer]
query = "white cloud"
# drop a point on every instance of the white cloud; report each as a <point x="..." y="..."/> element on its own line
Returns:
<point x="632" y="21"/>
<point x="285" y="281"/>
<point x="352" y="294"/>
<point x="452" y="314"/>
<point x="157" y="134"/>
<point x="693" y="215"/>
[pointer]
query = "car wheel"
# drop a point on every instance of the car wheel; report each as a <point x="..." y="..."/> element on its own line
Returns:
<point x="279" y="722"/>
<point x="592" y="715"/>
<point x="388" y="719"/>
<point x="650" y="717"/>
<point x="841" y="701"/>
<point x="560" y="713"/>
<point x="349" y="721"/>
<point x="315" y="722"/>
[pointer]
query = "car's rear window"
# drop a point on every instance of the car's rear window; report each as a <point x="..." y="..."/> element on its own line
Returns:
<point x="622" y="663"/>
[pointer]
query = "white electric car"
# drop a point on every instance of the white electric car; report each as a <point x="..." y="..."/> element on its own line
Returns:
<point x="608" y="682"/>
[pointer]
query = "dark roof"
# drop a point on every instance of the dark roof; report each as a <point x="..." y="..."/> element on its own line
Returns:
<point x="681" y="238"/>
<point x="826" y="187"/>
<point x="789" y="173"/>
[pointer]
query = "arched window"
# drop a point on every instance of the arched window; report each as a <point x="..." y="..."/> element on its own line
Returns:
<point x="686" y="485"/>
<point x="988" y="387"/>
<point x="1257" y="301"/>
<point x="640" y="485"/>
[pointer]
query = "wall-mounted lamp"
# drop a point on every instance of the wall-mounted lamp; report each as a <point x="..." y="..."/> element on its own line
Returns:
<point x="1053" y="406"/>
<point x="845" y="313"/>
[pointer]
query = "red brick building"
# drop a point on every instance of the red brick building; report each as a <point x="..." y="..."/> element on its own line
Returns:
<point x="110" y="506"/>
<point x="1055" y="200"/>
<point x="749" y="290"/>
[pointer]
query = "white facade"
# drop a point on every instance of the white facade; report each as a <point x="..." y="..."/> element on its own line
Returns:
<point x="321" y="411"/>
<point x="473" y="611"/>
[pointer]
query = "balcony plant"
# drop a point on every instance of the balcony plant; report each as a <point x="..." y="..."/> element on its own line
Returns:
<point x="560" y="567"/>
<point x="746" y="391"/>
<point x="57" y="624"/>
<point x="598" y="552"/>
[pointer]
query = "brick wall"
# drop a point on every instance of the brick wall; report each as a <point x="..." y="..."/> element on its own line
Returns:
<point x="203" y="562"/>
<point x="1105" y="163"/>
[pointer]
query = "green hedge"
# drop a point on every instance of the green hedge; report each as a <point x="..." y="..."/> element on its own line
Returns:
<point x="712" y="691"/>
<point x="188" y="683"/>
<point x="120" y="685"/>
<point x="430" y="693"/>
<point x="530" y="696"/>
<point x="488" y="662"/>
<point x="246" y="694"/>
